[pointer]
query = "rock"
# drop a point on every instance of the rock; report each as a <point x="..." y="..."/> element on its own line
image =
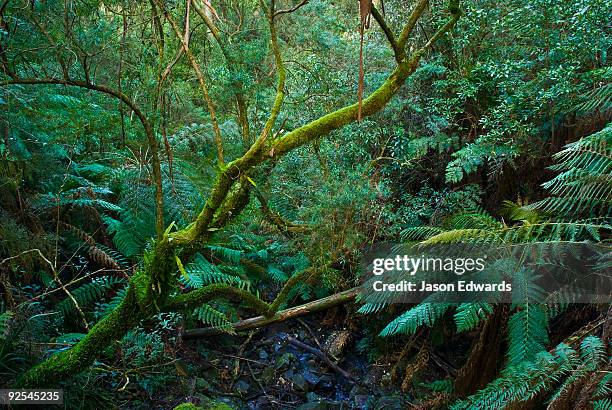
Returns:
<point x="299" y="382"/>
<point x="326" y="383"/>
<point x="263" y="354"/>
<point x="319" y="405"/>
<point x="360" y="401"/>
<point x="242" y="386"/>
<point x="310" y="377"/>
<point x="313" y="397"/>
<point x="261" y="403"/>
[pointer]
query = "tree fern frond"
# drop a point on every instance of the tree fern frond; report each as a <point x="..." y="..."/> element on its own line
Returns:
<point x="227" y="254"/>
<point x="426" y="313"/>
<point x="527" y="333"/>
<point x="370" y="308"/>
<point x="469" y="315"/>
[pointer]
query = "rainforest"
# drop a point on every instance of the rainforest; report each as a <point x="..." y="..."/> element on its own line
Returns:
<point x="190" y="189"/>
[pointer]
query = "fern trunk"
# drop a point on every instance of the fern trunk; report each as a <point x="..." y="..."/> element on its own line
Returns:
<point x="484" y="360"/>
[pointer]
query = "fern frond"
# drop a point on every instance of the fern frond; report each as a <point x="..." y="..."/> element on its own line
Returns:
<point x="527" y="333"/>
<point x="370" y="308"/>
<point x="212" y="317"/>
<point x="469" y="315"/>
<point x="89" y="293"/>
<point x="426" y="313"/>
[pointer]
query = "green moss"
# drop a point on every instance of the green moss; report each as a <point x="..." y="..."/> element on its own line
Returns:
<point x="187" y="406"/>
<point x="73" y="361"/>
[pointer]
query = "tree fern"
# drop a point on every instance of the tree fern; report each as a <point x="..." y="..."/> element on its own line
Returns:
<point x="523" y="381"/>
<point x="582" y="189"/>
<point x="546" y="372"/>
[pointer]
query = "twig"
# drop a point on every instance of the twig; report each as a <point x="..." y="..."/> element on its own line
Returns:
<point x="292" y="9"/>
<point x="309" y="330"/>
<point x="321" y="356"/>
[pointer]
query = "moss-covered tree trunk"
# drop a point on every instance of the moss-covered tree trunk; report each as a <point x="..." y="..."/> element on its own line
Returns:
<point x="62" y="365"/>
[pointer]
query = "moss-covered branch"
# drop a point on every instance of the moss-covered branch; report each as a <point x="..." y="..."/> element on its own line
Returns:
<point x="285" y="226"/>
<point x="399" y="54"/>
<point x="198" y="297"/>
<point x="67" y="363"/>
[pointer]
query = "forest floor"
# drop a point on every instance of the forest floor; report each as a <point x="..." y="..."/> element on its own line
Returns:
<point x="307" y="363"/>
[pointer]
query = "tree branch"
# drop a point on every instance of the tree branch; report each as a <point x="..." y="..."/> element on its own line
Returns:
<point x="419" y="8"/>
<point x="280" y="67"/>
<point x="203" y="295"/>
<point x="196" y="67"/>
<point x="292" y="9"/>
<point x="397" y="51"/>
<point x="280" y="316"/>
<point x="241" y="105"/>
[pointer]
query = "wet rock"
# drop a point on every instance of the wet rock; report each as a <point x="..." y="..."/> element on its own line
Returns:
<point x="299" y="382"/>
<point x="242" y="386"/>
<point x="311" y="378"/>
<point x="261" y="403"/>
<point x="360" y="401"/>
<point x="313" y="397"/>
<point x="263" y="354"/>
<point x="358" y="391"/>
<point x="326" y="383"/>
<point x="319" y="405"/>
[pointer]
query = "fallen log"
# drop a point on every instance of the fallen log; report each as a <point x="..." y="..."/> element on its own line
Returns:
<point x="259" y="321"/>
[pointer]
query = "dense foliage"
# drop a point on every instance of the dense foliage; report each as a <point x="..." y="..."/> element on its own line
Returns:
<point x="171" y="165"/>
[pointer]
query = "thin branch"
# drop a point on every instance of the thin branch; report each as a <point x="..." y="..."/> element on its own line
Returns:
<point x="57" y="279"/>
<point x="388" y="33"/>
<point x="237" y="88"/>
<point x="292" y="9"/>
<point x="419" y="8"/>
<point x="321" y="356"/>
<point x="196" y="67"/>
<point x="280" y="67"/>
